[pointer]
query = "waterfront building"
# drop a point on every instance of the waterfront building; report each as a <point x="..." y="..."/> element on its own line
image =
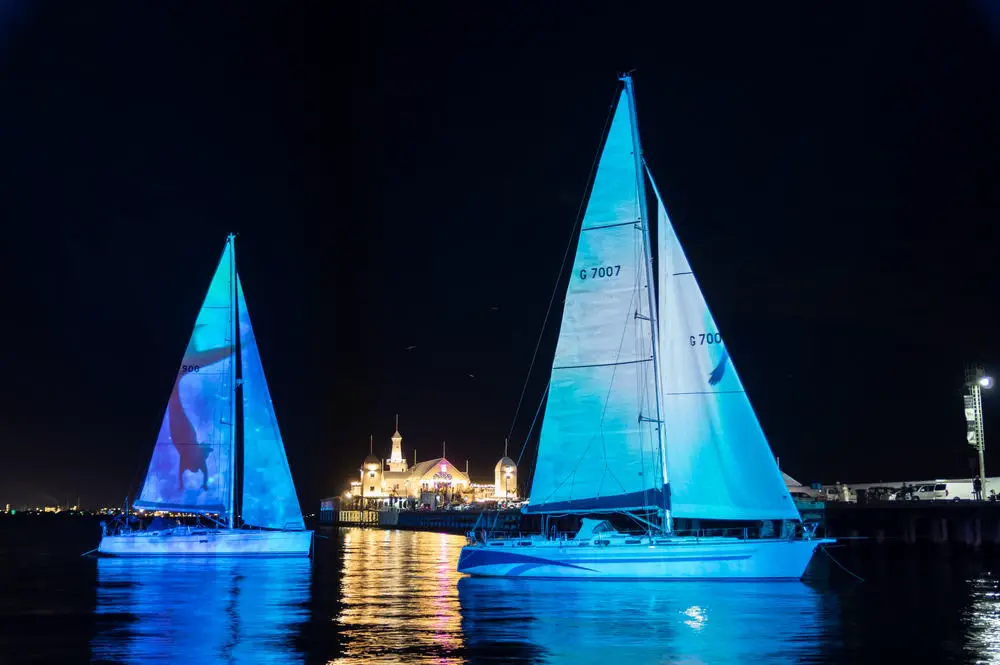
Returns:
<point x="394" y="478"/>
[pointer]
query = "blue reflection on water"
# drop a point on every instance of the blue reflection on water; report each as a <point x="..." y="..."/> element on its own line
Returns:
<point x="200" y="610"/>
<point x="643" y="622"/>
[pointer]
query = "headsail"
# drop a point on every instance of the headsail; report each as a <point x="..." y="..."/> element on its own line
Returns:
<point x="721" y="466"/>
<point x="190" y="467"/>
<point x="269" y="498"/>
<point x="598" y="451"/>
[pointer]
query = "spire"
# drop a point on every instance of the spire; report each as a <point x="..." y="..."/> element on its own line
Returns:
<point x="396" y="461"/>
<point x="371" y="445"/>
<point x="505" y="447"/>
<point x="442" y="450"/>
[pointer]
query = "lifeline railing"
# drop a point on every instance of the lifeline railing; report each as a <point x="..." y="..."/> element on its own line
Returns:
<point x="806" y="530"/>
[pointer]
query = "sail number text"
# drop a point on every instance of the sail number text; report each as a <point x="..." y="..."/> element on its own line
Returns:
<point x="186" y="369"/>
<point x="705" y="338"/>
<point x="600" y="273"/>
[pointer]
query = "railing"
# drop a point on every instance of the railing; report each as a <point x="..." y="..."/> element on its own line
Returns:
<point x="791" y="531"/>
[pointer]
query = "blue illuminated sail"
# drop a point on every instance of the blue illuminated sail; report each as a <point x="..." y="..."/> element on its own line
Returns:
<point x="269" y="498"/>
<point x="721" y="466"/>
<point x="190" y="467"/>
<point x="598" y="451"/>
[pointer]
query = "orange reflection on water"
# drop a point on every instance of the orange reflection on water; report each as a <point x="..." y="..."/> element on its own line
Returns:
<point x="399" y="598"/>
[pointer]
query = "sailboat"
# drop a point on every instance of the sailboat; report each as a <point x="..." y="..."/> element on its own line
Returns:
<point x="646" y="420"/>
<point x="206" y="443"/>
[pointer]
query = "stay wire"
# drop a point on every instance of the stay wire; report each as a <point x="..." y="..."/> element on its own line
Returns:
<point x="569" y="245"/>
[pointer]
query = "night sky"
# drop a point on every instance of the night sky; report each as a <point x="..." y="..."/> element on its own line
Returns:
<point x="410" y="178"/>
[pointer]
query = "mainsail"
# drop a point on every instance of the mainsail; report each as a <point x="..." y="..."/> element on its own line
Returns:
<point x="269" y="498"/>
<point x="599" y="449"/>
<point x="191" y="464"/>
<point x="721" y="466"/>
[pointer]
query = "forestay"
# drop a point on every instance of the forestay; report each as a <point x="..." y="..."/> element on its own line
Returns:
<point x="721" y="466"/>
<point x="598" y="449"/>
<point x="190" y="466"/>
<point x="269" y="498"/>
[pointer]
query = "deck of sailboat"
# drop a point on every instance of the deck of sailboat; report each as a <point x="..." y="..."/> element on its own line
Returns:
<point x="642" y="557"/>
<point x="205" y="541"/>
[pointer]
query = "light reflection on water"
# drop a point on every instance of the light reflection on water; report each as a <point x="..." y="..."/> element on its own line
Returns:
<point x="399" y="598"/>
<point x="983" y="619"/>
<point x="165" y="610"/>
<point x="404" y="602"/>
<point x="374" y="596"/>
<point x="643" y="622"/>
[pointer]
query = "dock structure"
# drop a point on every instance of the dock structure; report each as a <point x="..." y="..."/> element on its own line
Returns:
<point x="972" y="526"/>
<point x="443" y="521"/>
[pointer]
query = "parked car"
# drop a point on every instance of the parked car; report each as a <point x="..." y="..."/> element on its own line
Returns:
<point x="957" y="491"/>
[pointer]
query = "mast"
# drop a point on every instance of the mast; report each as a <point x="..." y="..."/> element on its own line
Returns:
<point x="235" y="327"/>
<point x="651" y="282"/>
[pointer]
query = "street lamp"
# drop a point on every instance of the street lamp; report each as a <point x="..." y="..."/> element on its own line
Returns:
<point x="977" y="380"/>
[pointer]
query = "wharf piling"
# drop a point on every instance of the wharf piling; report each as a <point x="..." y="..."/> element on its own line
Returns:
<point x="952" y="525"/>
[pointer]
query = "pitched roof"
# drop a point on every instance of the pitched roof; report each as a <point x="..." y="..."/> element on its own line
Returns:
<point x="421" y="468"/>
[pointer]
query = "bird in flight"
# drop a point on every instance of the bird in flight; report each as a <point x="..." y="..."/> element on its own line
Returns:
<point x="411" y="347"/>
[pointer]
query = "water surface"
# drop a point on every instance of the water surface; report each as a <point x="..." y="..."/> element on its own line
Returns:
<point x="374" y="596"/>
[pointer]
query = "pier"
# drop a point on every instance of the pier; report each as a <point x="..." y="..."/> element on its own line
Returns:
<point x="444" y="521"/>
<point x="960" y="526"/>
<point x="953" y="525"/>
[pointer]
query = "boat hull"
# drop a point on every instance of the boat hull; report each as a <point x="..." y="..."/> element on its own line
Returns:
<point x="208" y="542"/>
<point x="680" y="559"/>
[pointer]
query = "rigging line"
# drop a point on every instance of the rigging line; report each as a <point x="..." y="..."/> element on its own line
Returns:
<point x="842" y="567"/>
<point x="569" y="245"/>
<point x="530" y="430"/>
<point x="640" y="378"/>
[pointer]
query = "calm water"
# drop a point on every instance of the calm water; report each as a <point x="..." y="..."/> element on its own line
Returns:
<point x="394" y="597"/>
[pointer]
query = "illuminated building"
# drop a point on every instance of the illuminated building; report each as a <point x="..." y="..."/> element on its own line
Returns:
<point x="394" y="478"/>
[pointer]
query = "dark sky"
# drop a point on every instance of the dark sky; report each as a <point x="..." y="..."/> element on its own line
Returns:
<point x="396" y="174"/>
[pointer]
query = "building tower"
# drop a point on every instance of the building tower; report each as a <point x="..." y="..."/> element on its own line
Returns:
<point x="397" y="463"/>
<point x="505" y="477"/>
<point x="371" y="474"/>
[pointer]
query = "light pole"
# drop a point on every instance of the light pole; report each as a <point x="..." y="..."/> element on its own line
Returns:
<point x="976" y="381"/>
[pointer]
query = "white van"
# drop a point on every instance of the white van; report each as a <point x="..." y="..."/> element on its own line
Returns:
<point x="943" y="491"/>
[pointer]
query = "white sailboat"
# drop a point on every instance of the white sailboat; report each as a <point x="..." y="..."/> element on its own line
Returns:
<point x="646" y="417"/>
<point x="194" y="466"/>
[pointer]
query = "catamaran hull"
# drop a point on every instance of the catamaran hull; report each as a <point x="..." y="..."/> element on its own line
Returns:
<point x="741" y="560"/>
<point x="203" y="542"/>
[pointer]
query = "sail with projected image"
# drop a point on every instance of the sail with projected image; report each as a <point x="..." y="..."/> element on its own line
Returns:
<point x="193" y="468"/>
<point x="269" y="498"/>
<point x="190" y="469"/>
